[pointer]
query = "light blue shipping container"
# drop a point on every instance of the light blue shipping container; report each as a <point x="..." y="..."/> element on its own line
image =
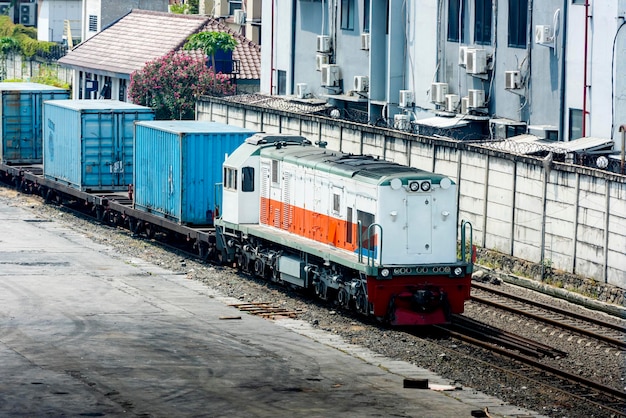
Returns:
<point x="88" y="144"/>
<point x="21" y="115"/>
<point x="177" y="167"/>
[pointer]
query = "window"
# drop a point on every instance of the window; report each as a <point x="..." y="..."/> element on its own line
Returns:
<point x="456" y="20"/>
<point x="366" y="15"/>
<point x="482" y="22"/>
<point x="347" y="14"/>
<point x="247" y="179"/>
<point x="122" y="91"/>
<point x="282" y="82"/>
<point x="93" y="23"/>
<point x="233" y="5"/>
<point x="349" y="226"/>
<point x="336" y="203"/>
<point x="274" y="171"/>
<point x="230" y="178"/>
<point x="575" y="124"/>
<point x="582" y="2"/>
<point x="366" y="220"/>
<point x="518" y="19"/>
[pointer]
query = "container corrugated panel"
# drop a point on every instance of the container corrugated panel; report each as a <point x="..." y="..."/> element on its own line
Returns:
<point x="88" y="144"/>
<point x="177" y="167"/>
<point x="21" y="115"/>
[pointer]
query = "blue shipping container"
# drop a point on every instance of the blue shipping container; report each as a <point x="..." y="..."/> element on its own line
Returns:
<point x="21" y="115"/>
<point x="88" y="144"/>
<point x="177" y="167"/>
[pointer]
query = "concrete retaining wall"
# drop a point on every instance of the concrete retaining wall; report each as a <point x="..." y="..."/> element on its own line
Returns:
<point x="559" y="215"/>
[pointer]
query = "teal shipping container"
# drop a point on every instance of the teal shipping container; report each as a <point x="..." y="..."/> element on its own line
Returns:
<point x="178" y="165"/>
<point x="21" y="115"/>
<point x="88" y="144"/>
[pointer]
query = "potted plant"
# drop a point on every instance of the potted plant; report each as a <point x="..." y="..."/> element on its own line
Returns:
<point x="218" y="46"/>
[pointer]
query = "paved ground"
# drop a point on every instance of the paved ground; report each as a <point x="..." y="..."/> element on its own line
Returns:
<point x="86" y="334"/>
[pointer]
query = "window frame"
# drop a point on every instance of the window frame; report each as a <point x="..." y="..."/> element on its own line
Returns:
<point x="483" y="15"/>
<point x="456" y="8"/>
<point x="347" y="14"/>
<point x="518" y="18"/>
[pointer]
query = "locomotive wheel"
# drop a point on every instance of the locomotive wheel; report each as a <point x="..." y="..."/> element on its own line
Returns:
<point x="320" y="290"/>
<point x="259" y="268"/>
<point x="343" y="298"/>
<point x="361" y="303"/>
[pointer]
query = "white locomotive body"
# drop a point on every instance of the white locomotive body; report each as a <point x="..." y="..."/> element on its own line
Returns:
<point x="368" y="233"/>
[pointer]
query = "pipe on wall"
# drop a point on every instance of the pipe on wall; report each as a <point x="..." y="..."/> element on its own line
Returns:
<point x="586" y="46"/>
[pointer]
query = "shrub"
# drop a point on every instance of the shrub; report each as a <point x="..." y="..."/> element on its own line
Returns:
<point x="172" y="84"/>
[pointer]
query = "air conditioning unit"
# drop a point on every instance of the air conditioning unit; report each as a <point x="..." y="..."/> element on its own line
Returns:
<point x="407" y="98"/>
<point x="548" y="132"/>
<point x="330" y="75"/>
<point x="323" y="43"/>
<point x="465" y="105"/>
<point x="543" y="35"/>
<point x="476" y="98"/>
<point x="506" y="128"/>
<point x="320" y="60"/>
<point x="27" y="14"/>
<point x="402" y="122"/>
<point x="302" y="90"/>
<point x="365" y="41"/>
<point x="512" y="80"/>
<point x="452" y="102"/>
<point x="463" y="55"/>
<point x="361" y="83"/>
<point x="6" y="9"/>
<point x="438" y="92"/>
<point x="476" y="61"/>
<point x="239" y="17"/>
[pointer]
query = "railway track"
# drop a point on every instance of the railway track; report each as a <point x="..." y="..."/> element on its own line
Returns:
<point x="608" y="332"/>
<point x="527" y="356"/>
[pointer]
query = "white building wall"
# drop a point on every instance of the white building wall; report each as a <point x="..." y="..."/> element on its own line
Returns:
<point x="51" y="19"/>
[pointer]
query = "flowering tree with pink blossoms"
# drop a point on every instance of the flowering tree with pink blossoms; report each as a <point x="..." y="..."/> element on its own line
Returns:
<point x="172" y="84"/>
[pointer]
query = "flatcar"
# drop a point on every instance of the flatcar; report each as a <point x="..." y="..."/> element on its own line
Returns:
<point x="361" y="232"/>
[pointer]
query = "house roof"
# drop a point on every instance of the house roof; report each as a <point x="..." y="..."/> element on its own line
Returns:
<point x="142" y="36"/>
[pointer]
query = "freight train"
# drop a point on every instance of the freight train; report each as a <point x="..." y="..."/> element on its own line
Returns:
<point x="360" y="232"/>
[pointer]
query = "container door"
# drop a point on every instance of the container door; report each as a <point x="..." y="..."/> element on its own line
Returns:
<point x="18" y="134"/>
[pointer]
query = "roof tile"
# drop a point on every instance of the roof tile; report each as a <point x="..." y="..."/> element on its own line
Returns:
<point x="142" y="36"/>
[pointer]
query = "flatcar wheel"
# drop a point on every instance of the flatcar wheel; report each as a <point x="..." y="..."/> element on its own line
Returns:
<point x="149" y="230"/>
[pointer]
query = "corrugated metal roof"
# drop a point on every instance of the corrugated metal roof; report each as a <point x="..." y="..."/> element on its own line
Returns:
<point x="142" y="36"/>
<point x="531" y="144"/>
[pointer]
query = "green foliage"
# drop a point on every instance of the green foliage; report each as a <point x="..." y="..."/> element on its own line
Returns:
<point x="48" y="76"/>
<point x="194" y="7"/>
<point x="22" y="39"/>
<point x="172" y="84"/>
<point x="209" y="42"/>
<point x="180" y="9"/>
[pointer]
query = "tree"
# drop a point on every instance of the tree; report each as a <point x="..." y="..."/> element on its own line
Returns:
<point x="210" y="42"/>
<point x="172" y="84"/>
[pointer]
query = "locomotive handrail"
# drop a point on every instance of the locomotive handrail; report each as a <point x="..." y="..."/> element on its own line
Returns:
<point x="371" y="260"/>
<point x="464" y="225"/>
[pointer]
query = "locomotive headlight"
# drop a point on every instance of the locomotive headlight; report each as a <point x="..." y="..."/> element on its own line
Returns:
<point x="384" y="272"/>
<point x="458" y="271"/>
<point x="414" y="186"/>
<point x="425" y="186"/>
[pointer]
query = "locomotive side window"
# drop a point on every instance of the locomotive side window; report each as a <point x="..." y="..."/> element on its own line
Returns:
<point x="230" y="178"/>
<point x="275" y="171"/>
<point x="366" y="220"/>
<point x="247" y="179"/>
<point x="336" y="203"/>
<point x="349" y="226"/>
